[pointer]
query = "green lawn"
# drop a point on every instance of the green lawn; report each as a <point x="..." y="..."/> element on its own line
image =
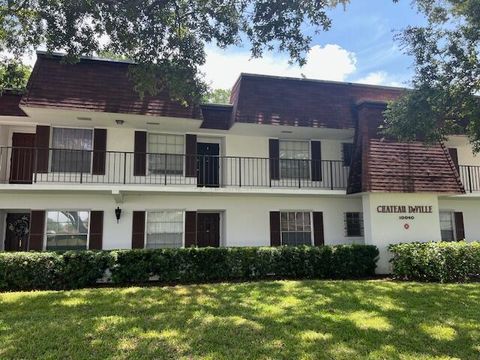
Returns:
<point x="264" y="320"/>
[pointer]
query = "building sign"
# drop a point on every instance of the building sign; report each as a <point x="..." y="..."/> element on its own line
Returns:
<point x="405" y="209"/>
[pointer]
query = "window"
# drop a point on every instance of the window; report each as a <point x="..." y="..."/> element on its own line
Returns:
<point x="72" y="150"/>
<point x="164" y="229"/>
<point x="67" y="230"/>
<point x="446" y="226"/>
<point x="353" y="224"/>
<point x="296" y="228"/>
<point x="294" y="159"/>
<point x="165" y="154"/>
<point x="347" y="151"/>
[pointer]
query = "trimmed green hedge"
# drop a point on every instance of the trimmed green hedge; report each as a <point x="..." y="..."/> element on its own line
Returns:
<point x="77" y="269"/>
<point x="436" y="261"/>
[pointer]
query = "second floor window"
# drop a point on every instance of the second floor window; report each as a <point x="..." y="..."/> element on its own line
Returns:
<point x="165" y="154"/>
<point x="294" y="159"/>
<point x="71" y="150"/>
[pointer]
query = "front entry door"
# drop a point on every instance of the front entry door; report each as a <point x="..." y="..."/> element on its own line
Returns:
<point x="207" y="165"/>
<point x="208" y="229"/>
<point x="16" y="233"/>
<point x="22" y="158"/>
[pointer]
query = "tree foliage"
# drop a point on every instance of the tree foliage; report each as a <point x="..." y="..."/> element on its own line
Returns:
<point x="166" y="38"/>
<point x="217" y="96"/>
<point x="13" y="74"/>
<point x="447" y="74"/>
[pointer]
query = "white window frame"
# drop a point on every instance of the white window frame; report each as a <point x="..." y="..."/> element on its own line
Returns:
<point x="309" y="158"/>
<point x="310" y="212"/>
<point x="50" y="144"/>
<point x="183" y="211"/>
<point x="182" y="154"/>
<point x="44" y="246"/>
<point x="452" y="219"/>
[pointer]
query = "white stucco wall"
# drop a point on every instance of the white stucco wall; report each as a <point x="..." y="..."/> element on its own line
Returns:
<point x="383" y="229"/>
<point x="246" y="217"/>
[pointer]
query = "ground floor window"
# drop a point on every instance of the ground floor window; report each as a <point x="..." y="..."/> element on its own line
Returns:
<point x="67" y="230"/>
<point x="164" y="229"/>
<point x="296" y="228"/>
<point x="446" y="226"/>
<point x="353" y="224"/>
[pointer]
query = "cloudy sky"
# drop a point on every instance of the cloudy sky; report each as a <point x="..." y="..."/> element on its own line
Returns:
<point x="359" y="47"/>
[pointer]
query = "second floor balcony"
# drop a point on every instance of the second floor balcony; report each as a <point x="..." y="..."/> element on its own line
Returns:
<point x="23" y="165"/>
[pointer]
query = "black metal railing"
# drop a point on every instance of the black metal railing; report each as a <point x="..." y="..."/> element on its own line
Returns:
<point x="470" y="176"/>
<point x="38" y="165"/>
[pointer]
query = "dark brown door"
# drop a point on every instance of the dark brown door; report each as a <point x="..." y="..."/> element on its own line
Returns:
<point x="16" y="233"/>
<point x="208" y="229"/>
<point x="22" y="158"/>
<point x="208" y="165"/>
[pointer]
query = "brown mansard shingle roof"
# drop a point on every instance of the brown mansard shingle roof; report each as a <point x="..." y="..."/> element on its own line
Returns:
<point x="277" y="100"/>
<point x="95" y="85"/>
<point x="9" y="101"/>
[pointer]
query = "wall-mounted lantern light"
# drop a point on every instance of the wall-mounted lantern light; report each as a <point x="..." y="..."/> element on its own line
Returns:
<point x="118" y="213"/>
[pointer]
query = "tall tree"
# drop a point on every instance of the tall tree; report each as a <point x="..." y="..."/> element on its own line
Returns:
<point x="447" y="75"/>
<point x="165" y="37"/>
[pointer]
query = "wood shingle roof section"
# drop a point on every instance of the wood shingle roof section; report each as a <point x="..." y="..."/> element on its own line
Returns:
<point x="273" y="100"/>
<point x="95" y="85"/>
<point x="410" y="167"/>
<point x="9" y="103"/>
<point x="385" y="165"/>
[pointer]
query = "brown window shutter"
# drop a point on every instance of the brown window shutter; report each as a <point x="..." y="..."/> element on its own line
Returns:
<point x="37" y="230"/>
<point x="96" y="230"/>
<point x="459" y="227"/>
<point x="274" y="155"/>
<point x="454" y="155"/>
<point x="347" y="152"/>
<point x="191" y="155"/>
<point x="190" y="228"/>
<point x="140" y="156"/>
<point x="42" y="144"/>
<point x="138" y="230"/>
<point x="318" y="234"/>
<point x="316" y="166"/>
<point x="99" y="151"/>
<point x="275" y="228"/>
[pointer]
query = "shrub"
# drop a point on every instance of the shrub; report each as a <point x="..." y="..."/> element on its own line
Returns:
<point x="76" y="269"/>
<point x="51" y="270"/>
<point x="436" y="261"/>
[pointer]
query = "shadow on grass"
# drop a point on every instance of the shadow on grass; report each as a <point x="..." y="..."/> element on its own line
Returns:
<point x="274" y="320"/>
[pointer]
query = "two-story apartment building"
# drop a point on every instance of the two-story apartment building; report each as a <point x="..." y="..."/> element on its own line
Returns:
<point x="85" y="163"/>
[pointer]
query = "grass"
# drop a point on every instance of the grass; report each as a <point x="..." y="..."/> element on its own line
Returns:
<point x="265" y="320"/>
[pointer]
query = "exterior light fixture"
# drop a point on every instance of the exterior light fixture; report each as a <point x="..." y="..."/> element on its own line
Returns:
<point x="119" y="121"/>
<point x="118" y="213"/>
